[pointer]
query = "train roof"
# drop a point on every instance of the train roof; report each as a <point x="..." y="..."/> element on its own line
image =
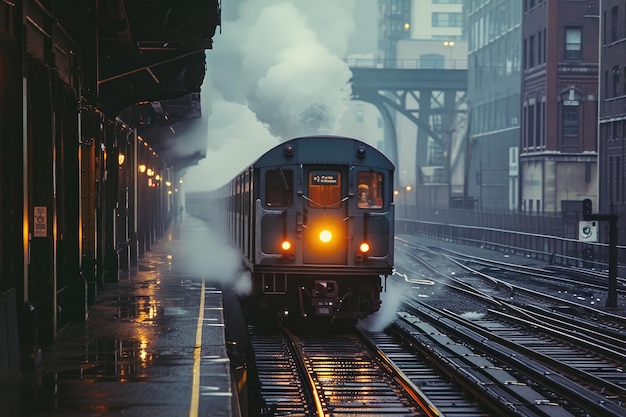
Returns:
<point x="325" y="149"/>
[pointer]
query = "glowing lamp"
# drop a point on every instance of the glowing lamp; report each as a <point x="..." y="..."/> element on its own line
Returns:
<point x="326" y="236"/>
<point x="287" y="252"/>
<point x="142" y="168"/>
<point x="120" y="159"/>
<point x="364" y="247"/>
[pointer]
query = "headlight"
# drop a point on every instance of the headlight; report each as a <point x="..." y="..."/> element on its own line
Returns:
<point x="364" y="247"/>
<point x="326" y="236"/>
<point x="361" y="254"/>
<point x="286" y="248"/>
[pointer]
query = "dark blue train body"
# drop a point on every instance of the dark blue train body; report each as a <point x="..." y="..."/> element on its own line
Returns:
<point x="314" y="220"/>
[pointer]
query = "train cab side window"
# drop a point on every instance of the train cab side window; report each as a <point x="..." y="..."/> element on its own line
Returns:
<point x="370" y="189"/>
<point x="279" y="187"/>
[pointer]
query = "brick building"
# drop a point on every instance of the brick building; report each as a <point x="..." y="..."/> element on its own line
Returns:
<point x="558" y="149"/>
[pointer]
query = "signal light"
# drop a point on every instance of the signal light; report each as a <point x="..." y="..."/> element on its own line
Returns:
<point x="360" y="152"/>
<point x="286" y="245"/>
<point x="289" y="150"/>
<point x="326" y="236"/>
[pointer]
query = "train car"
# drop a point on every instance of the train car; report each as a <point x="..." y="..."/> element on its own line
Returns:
<point x="314" y="220"/>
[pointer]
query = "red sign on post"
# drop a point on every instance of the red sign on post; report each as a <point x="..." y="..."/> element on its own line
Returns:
<point x="40" y="222"/>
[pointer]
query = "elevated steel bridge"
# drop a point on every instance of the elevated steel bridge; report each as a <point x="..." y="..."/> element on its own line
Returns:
<point x="434" y="99"/>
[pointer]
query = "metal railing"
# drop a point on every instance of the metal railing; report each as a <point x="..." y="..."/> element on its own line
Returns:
<point x="547" y="238"/>
<point x="425" y="63"/>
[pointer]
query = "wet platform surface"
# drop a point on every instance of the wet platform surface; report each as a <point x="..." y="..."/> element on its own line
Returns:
<point x="153" y="344"/>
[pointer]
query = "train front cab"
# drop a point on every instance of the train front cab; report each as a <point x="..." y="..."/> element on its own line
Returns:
<point x="324" y="236"/>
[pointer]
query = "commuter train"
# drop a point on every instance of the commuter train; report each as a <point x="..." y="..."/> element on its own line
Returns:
<point x="314" y="220"/>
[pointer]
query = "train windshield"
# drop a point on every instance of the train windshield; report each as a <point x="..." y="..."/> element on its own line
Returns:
<point x="279" y="187"/>
<point x="370" y="189"/>
<point x="324" y="189"/>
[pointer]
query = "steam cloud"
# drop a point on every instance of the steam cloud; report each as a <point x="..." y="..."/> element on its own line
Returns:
<point x="281" y="59"/>
<point x="276" y="72"/>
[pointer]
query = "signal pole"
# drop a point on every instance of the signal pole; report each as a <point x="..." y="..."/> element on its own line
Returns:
<point x="611" y="301"/>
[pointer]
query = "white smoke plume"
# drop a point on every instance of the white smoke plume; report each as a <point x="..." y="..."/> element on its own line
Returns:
<point x="283" y="60"/>
<point x="276" y="72"/>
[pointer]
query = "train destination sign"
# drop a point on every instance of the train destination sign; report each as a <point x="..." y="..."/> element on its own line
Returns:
<point x="324" y="178"/>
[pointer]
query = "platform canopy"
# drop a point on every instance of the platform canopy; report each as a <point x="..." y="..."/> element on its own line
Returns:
<point x="145" y="63"/>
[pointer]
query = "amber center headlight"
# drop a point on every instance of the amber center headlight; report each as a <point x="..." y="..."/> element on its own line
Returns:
<point x="286" y="245"/>
<point x="326" y="236"/>
<point x="364" y="247"/>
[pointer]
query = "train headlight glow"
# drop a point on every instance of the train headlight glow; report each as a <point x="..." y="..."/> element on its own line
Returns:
<point x="326" y="236"/>
<point x="364" y="247"/>
<point x="287" y="250"/>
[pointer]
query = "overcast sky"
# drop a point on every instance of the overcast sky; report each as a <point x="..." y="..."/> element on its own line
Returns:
<point x="277" y="71"/>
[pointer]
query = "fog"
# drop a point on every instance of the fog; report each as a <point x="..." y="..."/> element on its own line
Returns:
<point x="276" y="71"/>
<point x="210" y="256"/>
<point x="391" y="300"/>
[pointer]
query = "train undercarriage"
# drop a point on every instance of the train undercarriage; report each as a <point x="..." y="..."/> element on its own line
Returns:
<point x="318" y="298"/>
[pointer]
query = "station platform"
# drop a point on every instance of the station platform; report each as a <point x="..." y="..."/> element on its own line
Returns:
<point x="153" y="344"/>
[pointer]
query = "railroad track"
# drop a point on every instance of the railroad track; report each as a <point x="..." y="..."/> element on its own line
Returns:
<point x="330" y="375"/>
<point x="517" y="356"/>
<point x="541" y="384"/>
<point x="520" y="285"/>
<point x="576" y="342"/>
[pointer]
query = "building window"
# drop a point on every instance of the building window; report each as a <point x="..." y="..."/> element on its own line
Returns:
<point x="615" y="80"/>
<point x="531" y="51"/>
<point x="614" y="23"/>
<point x="539" y="48"/>
<point x="448" y="20"/>
<point x="570" y="120"/>
<point x="573" y="45"/>
<point x="538" y="124"/>
<point x="544" y="46"/>
<point x="530" y="129"/>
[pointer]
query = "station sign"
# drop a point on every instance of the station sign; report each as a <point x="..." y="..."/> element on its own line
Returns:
<point x="40" y="222"/>
<point x="587" y="231"/>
